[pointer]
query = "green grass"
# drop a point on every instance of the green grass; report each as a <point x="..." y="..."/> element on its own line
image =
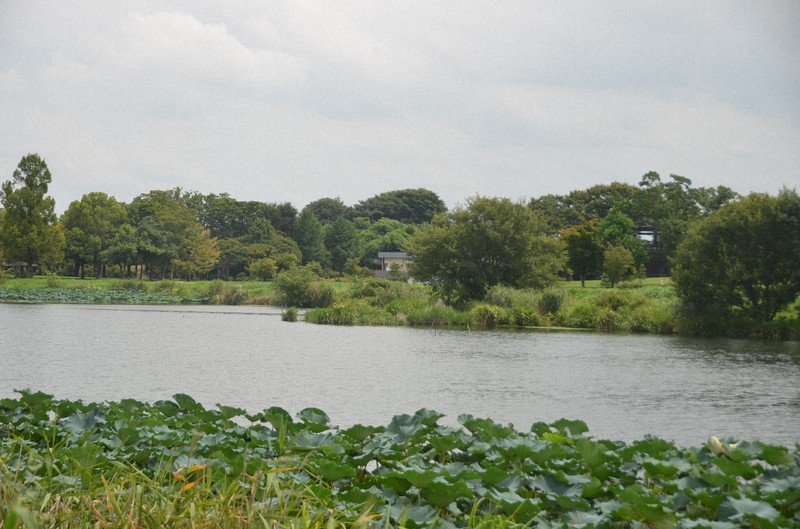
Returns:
<point x="178" y="464"/>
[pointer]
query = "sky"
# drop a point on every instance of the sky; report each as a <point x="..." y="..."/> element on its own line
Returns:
<point x="292" y="101"/>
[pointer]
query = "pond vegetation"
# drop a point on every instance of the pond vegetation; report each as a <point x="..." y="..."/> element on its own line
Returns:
<point x="176" y="463"/>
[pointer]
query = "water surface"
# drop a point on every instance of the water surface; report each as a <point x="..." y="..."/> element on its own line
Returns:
<point x="623" y="386"/>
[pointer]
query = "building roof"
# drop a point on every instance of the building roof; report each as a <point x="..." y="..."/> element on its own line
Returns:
<point x="398" y="255"/>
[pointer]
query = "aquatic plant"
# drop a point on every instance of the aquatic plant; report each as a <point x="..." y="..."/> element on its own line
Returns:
<point x="176" y="463"/>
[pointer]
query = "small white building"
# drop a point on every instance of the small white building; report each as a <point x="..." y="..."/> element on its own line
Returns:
<point x="392" y="261"/>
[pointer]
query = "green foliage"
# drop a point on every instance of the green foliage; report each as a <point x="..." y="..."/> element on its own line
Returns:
<point x="225" y="293"/>
<point x="409" y="206"/>
<point x="290" y="314"/>
<point x="301" y="287"/>
<point x="737" y="268"/>
<point x="27" y="227"/>
<point x="176" y="463"/>
<point x="341" y="243"/>
<point x="263" y="269"/>
<point x="485" y="315"/>
<point x="551" y="300"/>
<point x="491" y="241"/>
<point x="310" y="238"/>
<point x="584" y="253"/>
<point x="618" y="264"/>
<point x="92" y="225"/>
<point x="504" y="296"/>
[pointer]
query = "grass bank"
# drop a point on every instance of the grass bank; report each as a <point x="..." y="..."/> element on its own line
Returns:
<point x="127" y="291"/>
<point x="648" y="306"/>
<point x="175" y="463"/>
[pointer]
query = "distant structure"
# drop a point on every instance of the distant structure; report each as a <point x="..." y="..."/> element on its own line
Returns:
<point x="392" y="265"/>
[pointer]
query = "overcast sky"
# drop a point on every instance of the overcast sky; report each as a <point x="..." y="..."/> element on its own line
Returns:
<point x="294" y="101"/>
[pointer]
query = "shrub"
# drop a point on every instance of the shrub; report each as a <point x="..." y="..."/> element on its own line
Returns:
<point x="263" y="269"/>
<point x="581" y="315"/>
<point x="319" y="294"/>
<point x="616" y="299"/>
<point x="650" y="317"/>
<point x="524" y="316"/>
<point x="551" y="301"/>
<point x="167" y="287"/>
<point x="436" y="315"/>
<point x="606" y="319"/>
<point x="300" y="287"/>
<point x="504" y="296"/>
<point x="221" y="293"/>
<point x="349" y="313"/>
<point x="53" y="281"/>
<point x="368" y="288"/>
<point x="485" y="315"/>
<point x="290" y="314"/>
<point x="130" y="284"/>
<point x="5" y="275"/>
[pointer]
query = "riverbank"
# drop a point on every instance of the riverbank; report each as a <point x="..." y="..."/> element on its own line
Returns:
<point x="176" y="463"/>
<point x="649" y="307"/>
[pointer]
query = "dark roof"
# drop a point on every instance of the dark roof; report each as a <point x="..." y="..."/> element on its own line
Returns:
<point x="399" y="255"/>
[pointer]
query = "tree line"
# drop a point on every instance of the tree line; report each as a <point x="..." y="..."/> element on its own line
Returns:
<point x="723" y="250"/>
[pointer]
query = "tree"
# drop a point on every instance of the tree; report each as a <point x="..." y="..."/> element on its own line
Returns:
<point x="412" y="206"/>
<point x="309" y="237"/>
<point x="28" y="231"/>
<point x="738" y="267"/>
<point x="490" y="241"/>
<point x="584" y="253"/>
<point x="617" y="228"/>
<point x="264" y="269"/>
<point x="618" y="264"/>
<point x="341" y="242"/>
<point x="327" y="210"/>
<point x="92" y="224"/>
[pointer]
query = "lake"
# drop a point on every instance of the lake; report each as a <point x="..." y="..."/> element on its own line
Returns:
<point x="623" y="386"/>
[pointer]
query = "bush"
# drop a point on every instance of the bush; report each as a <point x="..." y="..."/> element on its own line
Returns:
<point x="551" y="301"/>
<point x="369" y="288"/>
<point x="130" y="284"/>
<point x="524" y="316"/>
<point x="581" y="315"/>
<point x="221" y="293"/>
<point x="485" y="315"/>
<point x="167" y="287"/>
<point x="290" y="314"/>
<point x="651" y="317"/>
<point x="263" y="269"/>
<point x="349" y="313"/>
<point x="300" y="287"/>
<point x="504" y="296"/>
<point x="437" y="315"/>
<point x="606" y="319"/>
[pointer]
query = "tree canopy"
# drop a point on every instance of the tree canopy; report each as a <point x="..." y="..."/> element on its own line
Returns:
<point x="738" y="268"/>
<point x="28" y="229"/>
<point x="411" y="206"/>
<point x="490" y="241"/>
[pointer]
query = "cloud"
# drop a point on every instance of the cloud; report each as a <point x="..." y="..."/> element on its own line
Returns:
<point x="297" y="100"/>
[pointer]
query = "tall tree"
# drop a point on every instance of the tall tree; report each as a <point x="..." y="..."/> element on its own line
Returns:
<point x="490" y="241"/>
<point x="310" y="239"/>
<point x="92" y="224"/>
<point x="584" y="252"/>
<point x="341" y="242"/>
<point x="412" y="206"/>
<point x="28" y="231"/>
<point x="737" y="268"/>
<point x="327" y="210"/>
